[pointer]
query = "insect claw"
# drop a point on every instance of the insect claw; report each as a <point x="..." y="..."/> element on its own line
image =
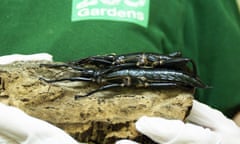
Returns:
<point x="47" y="81"/>
<point x="43" y="79"/>
<point x="76" y="97"/>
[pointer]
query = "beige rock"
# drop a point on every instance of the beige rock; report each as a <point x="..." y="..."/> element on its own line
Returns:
<point x="103" y="117"/>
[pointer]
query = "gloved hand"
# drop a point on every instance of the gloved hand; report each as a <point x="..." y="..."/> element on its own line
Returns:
<point x="205" y="126"/>
<point x="19" y="57"/>
<point x="16" y="127"/>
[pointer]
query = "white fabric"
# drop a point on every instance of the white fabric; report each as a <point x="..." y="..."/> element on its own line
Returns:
<point x="126" y="142"/>
<point x="19" y="57"/>
<point x="6" y="140"/>
<point x="208" y="126"/>
<point x="16" y="127"/>
<point x="19" y="128"/>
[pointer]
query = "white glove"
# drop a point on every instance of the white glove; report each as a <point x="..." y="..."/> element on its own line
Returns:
<point x="208" y="126"/>
<point x="16" y="127"/>
<point x="19" y="57"/>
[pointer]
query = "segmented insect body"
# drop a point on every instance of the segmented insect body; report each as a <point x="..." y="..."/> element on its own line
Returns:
<point x="142" y="60"/>
<point x="136" y="77"/>
<point x="133" y="70"/>
<point x="149" y="77"/>
<point x="135" y="58"/>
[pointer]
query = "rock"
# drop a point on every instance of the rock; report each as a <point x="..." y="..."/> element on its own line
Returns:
<point x="103" y="117"/>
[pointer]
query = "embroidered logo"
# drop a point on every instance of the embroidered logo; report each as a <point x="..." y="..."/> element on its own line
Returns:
<point x="134" y="11"/>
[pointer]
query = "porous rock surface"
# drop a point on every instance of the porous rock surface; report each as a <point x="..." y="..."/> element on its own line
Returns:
<point x="103" y="117"/>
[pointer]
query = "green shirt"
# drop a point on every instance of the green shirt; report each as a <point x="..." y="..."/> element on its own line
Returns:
<point x="206" y="31"/>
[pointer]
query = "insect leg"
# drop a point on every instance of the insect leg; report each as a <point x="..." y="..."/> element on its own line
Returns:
<point x="54" y="65"/>
<point x="99" y="89"/>
<point x="163" y="84"/>
<point x="175" y="54"/>
<point x="181" y="61"/>
<point x="67" y="79"/>
<point x="126" y="81"/>
<point x="96" y="60"/>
